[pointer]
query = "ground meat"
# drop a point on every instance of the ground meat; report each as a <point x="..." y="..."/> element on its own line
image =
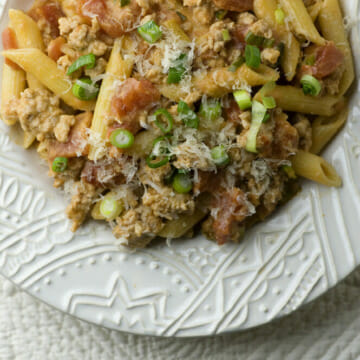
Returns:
<point x="203" y="15"/>
<point x="151" y="177"/>
<point x="98" y="69"/>
<point x="38" y="112"/>
<point x="331" y="84"/>
<point x="304" y="128"/>
<point x="137" y="227"/>
<point x="81" y="203"/>
<point x="270" y="56"/>
<point x="63" y="126"/>
<point x="261" y="28"/>
<point x="72" y="171"/>
<point x="168" y="204"/>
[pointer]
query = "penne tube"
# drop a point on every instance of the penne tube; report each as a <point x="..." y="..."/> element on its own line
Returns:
<point x="324" y="129"/>
<point x="330" y="13"/>
<point x="290" y="98"/>
<point x="176" y="30"/>
<point x="118" y="68"/>
<point x="28" y="35"/>
<point x="220" y="82"/>
<point x="301" y="21"/>
<point x="13" y="84"/>
<point x="48" y="74"/>
<point x="315" y="168"/>
<point x="143" y="143"/>
<point x="265" y="9"/>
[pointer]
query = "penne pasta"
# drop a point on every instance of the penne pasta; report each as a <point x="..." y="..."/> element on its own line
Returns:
<point x="324" y="129"/>
<point x="48" y="74"/>
<point x="315" y="168"/>
<point x="176" y="29"/>
<point x="290" y="98"/>
<point x="28" y="36"/>
<point x="265" y="9"/>
<point x="13" y="84"/>
<point x="330" y="13"/>
<point x="179" y="227"/>
<point x="118" y="68"/>
<point x="143" y="143"/>
<point x="301" y="21"/>
<point x="221" y="81"/>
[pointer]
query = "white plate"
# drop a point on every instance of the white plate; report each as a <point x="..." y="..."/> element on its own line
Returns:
<point x="192" y="287"/>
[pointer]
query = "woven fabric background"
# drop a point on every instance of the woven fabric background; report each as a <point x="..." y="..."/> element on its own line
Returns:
<point x="328" y="328"/>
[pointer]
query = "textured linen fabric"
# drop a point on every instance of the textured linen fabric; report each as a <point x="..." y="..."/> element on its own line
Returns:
<point x="328" y="328"/>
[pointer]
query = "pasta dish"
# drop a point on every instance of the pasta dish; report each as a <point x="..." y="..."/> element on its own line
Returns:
<point x="163" y="117"/>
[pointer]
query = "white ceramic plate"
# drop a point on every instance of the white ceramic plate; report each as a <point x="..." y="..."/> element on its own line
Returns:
<point x="192" y="287"/>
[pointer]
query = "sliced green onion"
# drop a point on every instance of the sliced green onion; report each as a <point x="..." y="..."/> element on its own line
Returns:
<point x="154" y="163"/>
<point x="86" y="60"/>
<point x="177" y="72"/>
<point x="280" y="16"/>
<point x="257" y="118"/>
<point x="311" y="86"/>
<point x="281" y="47"/>
<point x="85" y="89"/>
<point x="252" y="56"/>
<point x="182" y="183"/>
<point x="187" y="115"/>
<point x="210" y="110"/>
<point x="124" y="2"/>
<point x="162" y="113"/>
<point x="150" y="32"/>
<point x="236" y="64"/>
<point x="220" y="156"/>
<point x="122" y="138"/>
<point x="220" y="14"/>
<point x="59" y="164"/>
<point x="110" y="208"/>
<point x="268" y="87"/>
<point x="269" y="43"/>
<point x="252" y="39"/>
<point x="290" y="172"/>
<point x="310" y="60"/>
<point x="226" y="35"/>
<point x="243" y="99"/>
<point x="181" y="16"/>
<point x="269" y="102"/>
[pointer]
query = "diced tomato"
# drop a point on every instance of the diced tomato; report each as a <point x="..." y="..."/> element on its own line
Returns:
<point x="286" y="139"/>
<point x="103" y="173"/>
<point x="235" y="5"/>
<point x="9" y="42"/>
<point x="207" y="182"/>
<point x="132" y="97"/>
<point x="231" y="209"/>
<point x="328" y="59"/>
<point x="77" y="142"/>
<point x="51" y="12"/>
<point x="113" y="19"/>
<point x="54" y="48"/>
<point x="239" y="33"/>
<point x="233" y="112"/>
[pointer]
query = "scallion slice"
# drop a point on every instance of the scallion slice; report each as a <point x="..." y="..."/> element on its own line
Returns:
<point x="187" y="115"/>
<point x="289" y="170"/>
<point x="252" y="56"/>
<point x="220" y="14"/>
<point x="163" y="113"/>
<point x="236" y="64"/>
<point x="252" y="39"/>
<point x="85" y="89"/>
<point x="110" y="208"/>
<point x="150" y="32"/>
<point x="210" y="109"/>
<point x="122" y="138"/>
<point x="153" y="162"/>
<point x="311" y="85"/>
<point x="182" y="183"/>
<point x="226" y="35"/>
<point x="124" y="2"/>
<point x="243" y="99"/>
<point x="269" y="102"/>
<point x="220" y="156"/>
<point x="177" y="72"/>
<point x="88" y="60"/>
<point x="280" y="16"/>
<point x="257" y="118"/>
<point x="59" y="164"/>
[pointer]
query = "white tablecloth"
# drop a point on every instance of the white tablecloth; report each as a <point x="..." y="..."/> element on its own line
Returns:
<point x="329" y="328"/>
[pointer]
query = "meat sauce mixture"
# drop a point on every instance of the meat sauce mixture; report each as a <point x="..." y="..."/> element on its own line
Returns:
<point x="170" y="152"/>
